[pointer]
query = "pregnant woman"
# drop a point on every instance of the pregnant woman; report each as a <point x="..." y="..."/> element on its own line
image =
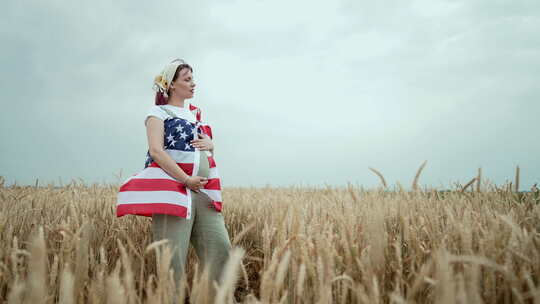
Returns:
<point x="179" y="186"/>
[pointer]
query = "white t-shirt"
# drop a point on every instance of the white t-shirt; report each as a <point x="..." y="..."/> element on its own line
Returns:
<point x="158" y="112"/>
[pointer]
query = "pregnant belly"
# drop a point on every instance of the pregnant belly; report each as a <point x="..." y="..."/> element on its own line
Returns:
<point x="204" y="165"/>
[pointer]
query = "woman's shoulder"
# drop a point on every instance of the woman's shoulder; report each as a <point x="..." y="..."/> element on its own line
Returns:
<point x="156" y="111"/>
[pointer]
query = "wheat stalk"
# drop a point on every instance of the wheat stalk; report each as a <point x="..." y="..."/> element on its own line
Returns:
<point x="242" y="233"/>
<point x="417" y="176"/>
<point x="16" y="293"/>
<point x="517" y="179"/>
<point x="37" y="269"/>
<point x="467" y="185"/>
<point x="81" y="264"/>
<point x="67" y="283"/>
<point x="229" y="276"/>
<point x="116" y="293"/>
<point x="381" y="177"/>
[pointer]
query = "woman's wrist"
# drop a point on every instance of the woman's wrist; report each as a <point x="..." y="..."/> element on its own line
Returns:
<point x="186" y="179"/>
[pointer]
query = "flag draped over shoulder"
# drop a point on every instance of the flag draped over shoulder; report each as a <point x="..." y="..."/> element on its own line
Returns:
<point x="152" y="190"/>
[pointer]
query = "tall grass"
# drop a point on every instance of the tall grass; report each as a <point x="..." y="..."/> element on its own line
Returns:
<point x="294" y="245"/>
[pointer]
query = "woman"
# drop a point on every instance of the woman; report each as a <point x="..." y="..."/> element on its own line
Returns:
<point x="179" y="186"/>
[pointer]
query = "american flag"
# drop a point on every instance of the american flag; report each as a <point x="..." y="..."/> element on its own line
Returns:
<point x="152" y="190"/>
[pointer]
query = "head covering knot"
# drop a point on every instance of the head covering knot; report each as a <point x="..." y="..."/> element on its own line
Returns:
<point x="162" y="82"/>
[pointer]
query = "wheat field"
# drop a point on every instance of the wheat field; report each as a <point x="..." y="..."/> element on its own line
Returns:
<point x="290" y="245"/>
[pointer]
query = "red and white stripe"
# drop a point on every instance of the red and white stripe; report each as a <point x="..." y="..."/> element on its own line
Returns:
<point x="153" y="191"/>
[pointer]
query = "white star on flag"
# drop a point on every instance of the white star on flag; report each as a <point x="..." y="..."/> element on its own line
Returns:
<point x="179" y="128"/>
<point x="172" y="143"/>
<point x="170" y="137"/>
<point x="183" y="135"/>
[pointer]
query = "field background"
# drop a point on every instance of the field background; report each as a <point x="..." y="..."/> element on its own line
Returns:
<point x="295" y="245"/>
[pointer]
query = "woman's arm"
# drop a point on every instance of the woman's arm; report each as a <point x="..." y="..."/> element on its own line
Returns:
<point x="154" y="132"/>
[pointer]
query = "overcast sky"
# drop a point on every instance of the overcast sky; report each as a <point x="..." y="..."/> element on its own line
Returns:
<point x="297" y="92"/>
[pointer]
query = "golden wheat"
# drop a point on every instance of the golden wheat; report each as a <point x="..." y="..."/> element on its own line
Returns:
<point x="295" y="245"/>
<point x="417" y="175"/>
<point x="379" y="174"/>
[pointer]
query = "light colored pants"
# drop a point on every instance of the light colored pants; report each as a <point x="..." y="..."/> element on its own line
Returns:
<point x="206" y="230"/>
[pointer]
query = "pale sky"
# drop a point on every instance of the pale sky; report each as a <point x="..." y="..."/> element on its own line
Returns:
<point x="297" y="92"/>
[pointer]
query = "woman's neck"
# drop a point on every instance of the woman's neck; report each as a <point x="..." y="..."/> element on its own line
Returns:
<point x="176" y="101"/>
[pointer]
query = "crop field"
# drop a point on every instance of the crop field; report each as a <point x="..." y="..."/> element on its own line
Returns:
<point x="290" y="245"/>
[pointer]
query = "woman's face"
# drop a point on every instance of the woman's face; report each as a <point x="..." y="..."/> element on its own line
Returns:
<point x="184" y="87"/>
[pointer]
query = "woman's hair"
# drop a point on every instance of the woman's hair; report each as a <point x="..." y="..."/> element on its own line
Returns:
<point x="160" y="98"/>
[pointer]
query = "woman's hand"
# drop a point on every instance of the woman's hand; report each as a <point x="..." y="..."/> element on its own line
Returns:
<point x="203" y="143"/>
<point x="195" y="183"/>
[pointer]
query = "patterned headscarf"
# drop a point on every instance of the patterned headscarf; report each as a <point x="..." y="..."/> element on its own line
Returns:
<point x="163" y="81"/>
